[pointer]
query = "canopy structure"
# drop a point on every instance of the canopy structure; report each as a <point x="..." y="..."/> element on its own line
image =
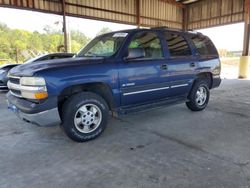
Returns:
<point x="180" y="14"/>
<point x="193" y="14"/>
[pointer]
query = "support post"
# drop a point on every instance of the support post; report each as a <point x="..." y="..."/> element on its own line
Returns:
<point x="245" y="58"/>
<point x="16" y="55"/>
<point x="138" y="13"/>
<point x="185" y="19"/>
<point x="245" y="51"/>
<point x="64" y="27"/>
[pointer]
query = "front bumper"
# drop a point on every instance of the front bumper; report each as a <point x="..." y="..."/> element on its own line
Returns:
<point x="39" y="114"/>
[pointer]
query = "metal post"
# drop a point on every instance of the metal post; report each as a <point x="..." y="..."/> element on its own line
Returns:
<point x="245" y="58"/>
<point x="185" y="19"/>
<point x="246" y="28"/>
<point x="246" y="39"/>
<point x="64" y="27"/>
<point x="16" y="55"/>
<point x="138" y="13"/>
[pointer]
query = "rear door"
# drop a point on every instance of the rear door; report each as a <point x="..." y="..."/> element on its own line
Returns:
<point x="142" y="80"/>
<point x="180" y="64"/>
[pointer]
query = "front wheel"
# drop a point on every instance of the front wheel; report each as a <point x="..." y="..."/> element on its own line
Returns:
<point x="84" y="116"/>
<point x="199" y="96"/>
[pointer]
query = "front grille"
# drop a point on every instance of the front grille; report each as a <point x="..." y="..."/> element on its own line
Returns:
<point x="14" y="80"/>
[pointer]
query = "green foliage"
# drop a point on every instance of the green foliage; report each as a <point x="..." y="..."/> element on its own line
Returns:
<point x="79" y="37"/>
<point x="19" y="45"/>
<point x="103" y="31"/>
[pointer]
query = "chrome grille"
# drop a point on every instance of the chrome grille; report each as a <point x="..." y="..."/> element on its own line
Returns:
<point x="14" y="80"/>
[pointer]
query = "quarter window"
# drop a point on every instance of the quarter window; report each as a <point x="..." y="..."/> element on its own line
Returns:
<point x="177" y="45"/>
<point x="150" y="42"/>
<point x="204" y="45"/>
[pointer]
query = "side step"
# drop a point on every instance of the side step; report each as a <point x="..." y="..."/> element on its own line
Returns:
<point x="149" y="106"/>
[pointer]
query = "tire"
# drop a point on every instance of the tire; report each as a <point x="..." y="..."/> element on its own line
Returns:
<point x="197" y="100"/>
<point x="85" y="116"/>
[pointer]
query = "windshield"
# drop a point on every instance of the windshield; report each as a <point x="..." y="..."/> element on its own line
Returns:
<point x="34" y="59"/>
<point x="103" y="46"/>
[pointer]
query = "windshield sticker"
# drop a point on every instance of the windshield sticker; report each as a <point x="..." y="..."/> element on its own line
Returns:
<point x="120" y="34"/>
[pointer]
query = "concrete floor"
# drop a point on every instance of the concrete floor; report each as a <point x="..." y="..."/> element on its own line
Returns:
<point x="169" y="147"/>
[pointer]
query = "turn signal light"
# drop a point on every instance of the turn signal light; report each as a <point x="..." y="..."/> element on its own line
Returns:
<point x="42" y="95"/>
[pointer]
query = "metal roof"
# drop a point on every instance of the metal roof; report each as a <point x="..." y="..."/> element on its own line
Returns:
<point x="187" y="14"/>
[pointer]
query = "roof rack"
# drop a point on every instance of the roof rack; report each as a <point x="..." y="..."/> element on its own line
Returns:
<point x="174" y="29"/>
<point x="167" y="28"/>
<point x="161" y="27"/>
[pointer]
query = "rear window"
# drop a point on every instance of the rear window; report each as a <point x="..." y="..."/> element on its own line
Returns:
<point x="204" y="45"/>
<point x="177" y="45"/>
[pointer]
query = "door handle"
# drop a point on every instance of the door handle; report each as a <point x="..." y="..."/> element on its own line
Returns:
<point x="164" y="66"/>
<point x="192" y="64"/>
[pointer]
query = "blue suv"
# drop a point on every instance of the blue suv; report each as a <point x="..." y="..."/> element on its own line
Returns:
<point x="116" y="73"/>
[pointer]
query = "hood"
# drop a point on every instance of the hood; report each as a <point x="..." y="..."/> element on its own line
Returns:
<point x="29" y="69"/>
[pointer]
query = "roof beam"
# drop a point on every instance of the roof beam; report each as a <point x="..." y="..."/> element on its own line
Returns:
<point x="173" y="2"/>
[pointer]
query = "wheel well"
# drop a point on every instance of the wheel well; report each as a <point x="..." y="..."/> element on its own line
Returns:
<point x="207" y="76"/>
<point x="99" y="88"/>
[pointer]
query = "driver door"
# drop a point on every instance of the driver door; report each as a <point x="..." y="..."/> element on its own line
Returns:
<point x="144" y="79"/>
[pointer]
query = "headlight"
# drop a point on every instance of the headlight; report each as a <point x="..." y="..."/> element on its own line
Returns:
<point x="33" y="88"/>
<point x="32" y="81"/>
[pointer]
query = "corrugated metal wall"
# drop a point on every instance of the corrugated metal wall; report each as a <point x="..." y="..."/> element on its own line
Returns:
<point x="160" y="13"/>
<point x="39" y="5"/>
<point x="153" y="12"/>
<point x="123" y="11"/>
<point x="208" y="13"/>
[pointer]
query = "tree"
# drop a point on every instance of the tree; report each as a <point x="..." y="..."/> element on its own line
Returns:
<point x="79" y="38"/>
<point x="103" y="31"/>
<point x="3" y="26"/>
<point x="24" y="44"/>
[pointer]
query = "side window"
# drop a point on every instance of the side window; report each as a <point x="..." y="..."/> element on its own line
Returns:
<point x="204" y="45"/>
<point x="150" y="42"/>
<point x="177" y="45"/>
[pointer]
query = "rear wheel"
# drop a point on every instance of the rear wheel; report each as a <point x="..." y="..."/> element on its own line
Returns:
<point x="199" y="96"/>
<point x="84" y="116"/>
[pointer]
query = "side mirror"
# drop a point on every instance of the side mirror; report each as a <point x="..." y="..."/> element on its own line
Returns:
<point x="135" y="53"/>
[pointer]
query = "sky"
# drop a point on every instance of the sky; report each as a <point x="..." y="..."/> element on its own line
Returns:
<point x="228" y="37"/>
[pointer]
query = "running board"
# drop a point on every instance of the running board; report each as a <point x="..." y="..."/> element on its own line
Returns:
<point x="149" y="106"/>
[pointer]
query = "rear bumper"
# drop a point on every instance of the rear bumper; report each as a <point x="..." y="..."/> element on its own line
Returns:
<point x="216" y="81"/>
<point x="43" y="117"/>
